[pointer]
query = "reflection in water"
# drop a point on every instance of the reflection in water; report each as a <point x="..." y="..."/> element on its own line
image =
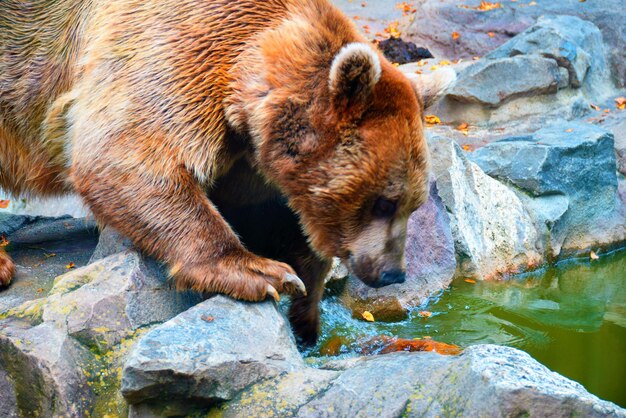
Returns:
<point x="571" y="317"/>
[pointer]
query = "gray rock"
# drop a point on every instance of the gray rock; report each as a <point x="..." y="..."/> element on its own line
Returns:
<point x="45" y="368"/>
<point x="555" y="68"/>
<point x="107" y="301"/>
<point x="110" y="242"/>
<point x="573" y="173"/>
<point x="437" y="20"/>
<point x="430" y="260"/>
<point x="492" y="82"/>
<point x="510" y="383"/>
<point x="493" y="232"/>
<point x="210" y="353"/>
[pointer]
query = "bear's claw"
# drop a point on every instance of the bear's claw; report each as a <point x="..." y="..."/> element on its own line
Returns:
<point x="272" y="292"/>
<point x="294" y="282"/>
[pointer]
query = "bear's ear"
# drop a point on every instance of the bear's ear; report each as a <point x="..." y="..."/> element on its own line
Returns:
<point x="353" y="74"/>
<point x="429" y="87"/>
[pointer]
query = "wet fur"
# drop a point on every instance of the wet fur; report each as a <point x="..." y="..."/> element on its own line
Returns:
<point x="141" y="106"/>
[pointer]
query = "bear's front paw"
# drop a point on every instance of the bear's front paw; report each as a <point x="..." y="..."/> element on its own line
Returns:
<point x="243" y="276"/>
<point x="7" y="268"/>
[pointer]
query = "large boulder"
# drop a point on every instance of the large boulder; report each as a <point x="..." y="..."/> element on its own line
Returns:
<point x="511" y="383"/>
<point x="210" y="353"/>
<point x="431" y="265"/>
<point x="481" y="31"/>
<point x="555" y="67"/>
<point x="61" y="353"/>
<point x="567" y="172"/>
<point x="493" y="232"/>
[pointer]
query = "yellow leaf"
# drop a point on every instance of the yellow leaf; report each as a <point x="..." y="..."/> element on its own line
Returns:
<point x="621" y="103"/>
<point x="434" y="67"/>
<point x="444" y="63"/>
<point x="71" y="265"/>
<point x="4" y="204"/>
<point x="425" y="314"/>
<point x="367" y="315"/>
<point x="472" y="281"/>
<point x="455" y="35"/>
<point x="485" y="5"/>
<point x="432" y="119"/>
<point x="593" y="255"/>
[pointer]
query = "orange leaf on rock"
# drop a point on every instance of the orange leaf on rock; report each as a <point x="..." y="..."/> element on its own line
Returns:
<point x="594" y="107"/>
<point x="455" y="35"/>
<point x="491" y="34"/>
<point x="207" y="318"/>
<point x="432" y="119"/>
<point x="4" y="204"/>
<point x="486" y="5"/>
<point x="621" y="103"/>
<point x="593" y="255"/>
<point x="425" y="314"/>
<point x="70" y="266"/>
<point x="472" y="281"/>
<point x="367" y="315"/>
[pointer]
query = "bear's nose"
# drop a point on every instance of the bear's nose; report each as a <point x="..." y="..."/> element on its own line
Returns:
<point x="390" y="277"/>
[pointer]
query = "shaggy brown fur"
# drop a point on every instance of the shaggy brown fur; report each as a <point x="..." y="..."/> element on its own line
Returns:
<point x="142" y="105"/>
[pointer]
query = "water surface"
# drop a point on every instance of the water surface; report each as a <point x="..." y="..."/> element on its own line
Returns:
<point x="571" y="317"/>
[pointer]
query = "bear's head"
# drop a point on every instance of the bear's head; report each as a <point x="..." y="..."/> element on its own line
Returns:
<point x="344" y="141"/>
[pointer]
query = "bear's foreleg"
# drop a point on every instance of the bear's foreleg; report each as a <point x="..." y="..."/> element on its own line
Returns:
<point x="169" y="216"/>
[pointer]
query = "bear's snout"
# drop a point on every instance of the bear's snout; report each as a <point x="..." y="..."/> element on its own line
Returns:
<point x="390" y="277"/>
<point x="365" y="270"/>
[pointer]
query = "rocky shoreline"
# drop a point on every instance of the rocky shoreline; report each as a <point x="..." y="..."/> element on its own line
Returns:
<point x="91" y="327"/>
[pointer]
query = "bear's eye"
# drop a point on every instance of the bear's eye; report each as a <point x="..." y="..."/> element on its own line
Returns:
<point x="384" y="208"/>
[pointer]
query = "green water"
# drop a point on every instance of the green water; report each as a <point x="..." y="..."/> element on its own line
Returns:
<point x="570" y="317"/>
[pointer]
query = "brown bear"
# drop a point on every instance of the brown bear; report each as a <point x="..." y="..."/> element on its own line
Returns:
<point x="244" y="143"/>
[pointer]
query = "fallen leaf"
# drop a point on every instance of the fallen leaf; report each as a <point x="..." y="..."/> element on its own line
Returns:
<point x="593" y="255"/>
<point x="569" y="130"/>
<point x="609" y="110"/>
<point x="395" y="64"/>
<point x="466" y="147"/>
<point x="434" y="68"/>
<point x="3" y="241"/>
<point x="485" y="5"/>
<point x="532" y="3"/>
<point x="71" y="265"/>
<point x="4" y="204"/>
<point x="392" y="30"/>
<point x="475" y="58"/>
<point x="455" y="35"/>
<point x="425" y="314"/>
<point x="491" y="34"/>
<point x="356" y="17"/>
<point x="621" y="103"/>
<point x="422" y="63"/>
<point x="40" y="290"/>
<point x="594" y="107"/>
<point x="432" y="120"/>
<point x="464" y="127"/>
<point x="472" y="281"/>
<point x="444" y="63"/>
<point x="367" y="315"/>
<point x="207" y="318"/>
